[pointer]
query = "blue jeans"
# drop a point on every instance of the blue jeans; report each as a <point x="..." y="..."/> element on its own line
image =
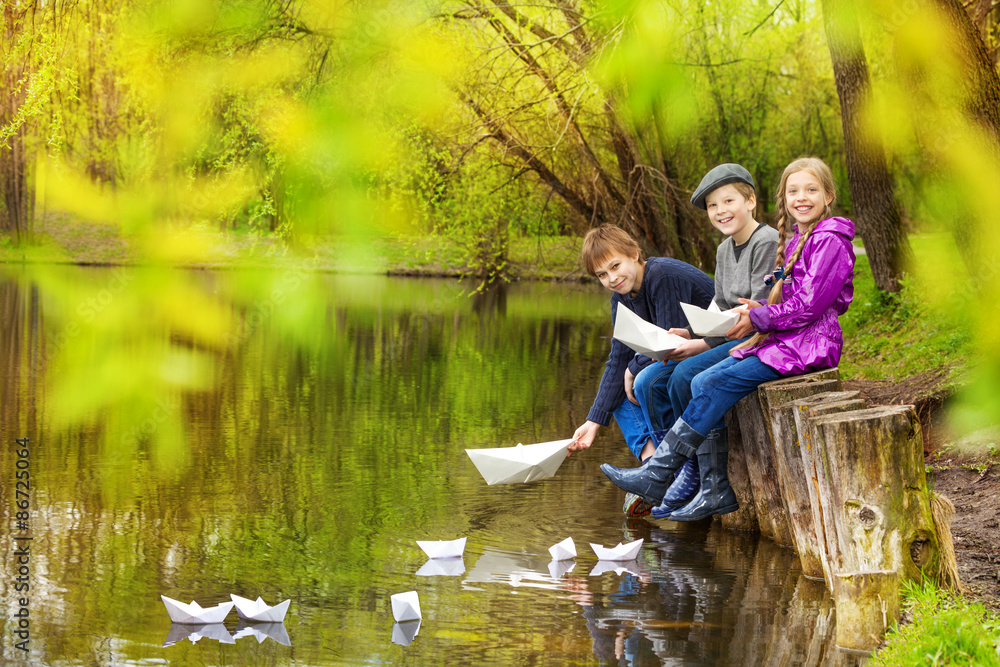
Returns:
<point x="651" y="391"/>
<point x="678" y="391"/>
<point x="634" y="420"/>
<point x="720" y="387"/>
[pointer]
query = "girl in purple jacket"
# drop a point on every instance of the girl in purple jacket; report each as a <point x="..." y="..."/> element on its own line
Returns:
<point x="795" y="332"/>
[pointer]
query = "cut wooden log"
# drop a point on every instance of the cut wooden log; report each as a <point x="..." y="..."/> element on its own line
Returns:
<point x="873" y="490"/>
<point x="867" y="604"/>
<point x="745" y="518"/>
<point x="803" y="411"/>
<point x="759" y="451"/>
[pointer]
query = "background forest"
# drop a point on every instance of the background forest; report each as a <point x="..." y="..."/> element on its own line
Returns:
<point x="308" y="125"/>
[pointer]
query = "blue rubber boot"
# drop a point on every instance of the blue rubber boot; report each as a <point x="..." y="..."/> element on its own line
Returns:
<point x="680" y="493"/>
<point x="651" y="481"/>
<point x="716" y="496"/>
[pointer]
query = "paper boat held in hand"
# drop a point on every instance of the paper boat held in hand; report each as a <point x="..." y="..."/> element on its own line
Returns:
<point x="194" y="613"/>
<point x="257" y="610"/>
<point x="519" y="464"/>
<point x="621" y="552"/>
<point x="564" y="550"/>
<point x="642" y="336"/>
<point x="443" y="549"/>
<point x="711" y="322"/>
<point x="405" y="606"/>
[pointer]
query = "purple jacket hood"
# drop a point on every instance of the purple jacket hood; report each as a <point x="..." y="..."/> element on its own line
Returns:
<point x="805" y="333"/>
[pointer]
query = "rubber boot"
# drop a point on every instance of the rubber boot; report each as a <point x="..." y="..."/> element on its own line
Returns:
<point x="716" y="496"/>
<point x="651" y="481"/>
<point x="680" y="493"/>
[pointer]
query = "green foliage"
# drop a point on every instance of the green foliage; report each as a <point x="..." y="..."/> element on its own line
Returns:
<point x="943" y="630"/>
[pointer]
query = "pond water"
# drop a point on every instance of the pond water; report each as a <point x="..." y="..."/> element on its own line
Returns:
<point x="315" y="453"/>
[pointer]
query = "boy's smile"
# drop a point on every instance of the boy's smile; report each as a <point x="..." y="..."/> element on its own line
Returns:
<point x="805" y="198"/>
<point x="731" y="213"/>
<point x="620" y="273"/>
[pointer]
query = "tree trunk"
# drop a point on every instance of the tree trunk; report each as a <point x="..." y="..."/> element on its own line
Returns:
<point x="867" y="605"/>
<point x="745" y="518"/>
<point x="867" y="173"/>
<point x="18" y="197"/>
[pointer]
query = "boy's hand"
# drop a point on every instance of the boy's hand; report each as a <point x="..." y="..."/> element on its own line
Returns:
<point x="683" y="333"/>
<point x="584" y="436"/>
<point x="685" y="350"/>
<point x="629" y="382"/>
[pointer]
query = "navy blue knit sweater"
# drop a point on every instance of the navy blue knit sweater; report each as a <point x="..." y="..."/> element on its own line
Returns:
<point x="665" y="283"/>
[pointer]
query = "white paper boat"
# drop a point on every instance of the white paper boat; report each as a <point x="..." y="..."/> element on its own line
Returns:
<point x="443" y="549"/>
<point x="519" y="464"/>
<point x="642" y="336"/>
<point x="405" y="606"/>
<point x="711" y="322"/>
<point x="442" y="567"/>
<point x="558" y="568"/>
<point x="617" y="553"/>
<point x="257" y="610"/>
<point x="181" y="631"/>
<point x="403" y="633"/>
<point x="618" y="567"/>
<point x="194" y="613"/>
<point x="262" y="631"/>
<point x="564" y="550"/>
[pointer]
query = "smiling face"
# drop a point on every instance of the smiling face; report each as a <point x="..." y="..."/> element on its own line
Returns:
<point x="731" y="213"/>
<point x="620" y="273"/>
<point x="805" y="198"/>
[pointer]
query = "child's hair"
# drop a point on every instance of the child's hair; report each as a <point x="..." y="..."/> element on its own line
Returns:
<point x="747" y="191"/>
<point x="601" y="242"/>
<point x="783" y="221"/>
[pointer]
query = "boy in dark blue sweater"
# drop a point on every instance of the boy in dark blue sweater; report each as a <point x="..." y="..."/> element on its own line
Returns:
<point x="653" y="290"/>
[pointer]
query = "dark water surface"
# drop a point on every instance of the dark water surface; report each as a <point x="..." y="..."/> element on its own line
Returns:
<point x="315" y="451"/>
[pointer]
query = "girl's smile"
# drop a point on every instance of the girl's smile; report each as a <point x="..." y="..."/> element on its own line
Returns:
<point x="805" y="198"/>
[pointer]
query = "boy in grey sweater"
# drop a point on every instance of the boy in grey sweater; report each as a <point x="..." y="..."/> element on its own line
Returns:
<point x="746" y="256"/>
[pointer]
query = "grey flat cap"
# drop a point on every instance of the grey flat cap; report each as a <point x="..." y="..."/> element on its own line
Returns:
<point x="724" y="174"/>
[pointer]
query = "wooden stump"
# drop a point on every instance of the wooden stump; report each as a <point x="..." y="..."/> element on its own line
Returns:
<point x="867" y="604"/>
<point x="758" y="449"/>
<point x="873" y="490"/>
<point x="804" y="410"/>
<point x="745" y="518"/>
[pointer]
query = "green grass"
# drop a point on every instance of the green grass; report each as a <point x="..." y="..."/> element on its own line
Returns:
<point x="898" y="336"/>
<point x="944" y="629"/>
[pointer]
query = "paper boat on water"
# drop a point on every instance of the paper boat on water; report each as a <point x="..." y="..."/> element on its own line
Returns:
<point x="442" y="567"/>
<point x="618" y="567"/>
<point x="710" y="322"/>
<point x="620" y="552"/>
<point x="443" y="549"/>
<point x="262" y="631"/>
<point x="642" y="336"/>
<point x="405" y="606"/>
<point x="519" y="464"/>
<point x="403" y="633"/>
<point x="564" y="550"/>
<point x="181" y="631"/>
<point x="257" y="610"/>
<point x="194" y="613"/>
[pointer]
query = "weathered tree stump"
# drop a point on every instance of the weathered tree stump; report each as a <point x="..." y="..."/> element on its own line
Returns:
<point x="803" y="411"/>
<point x="745" y="518"/>
<point x="873" y="490"/>
<point x="867" y="604"/>
<point x="759" y="452"/>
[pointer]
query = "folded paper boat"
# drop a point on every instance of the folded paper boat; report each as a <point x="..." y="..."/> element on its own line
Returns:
<point x="642" y="336"/>
<point x="257" y="610"/>
<point x="519" y="464"/>
<point x="711" y="322"/>
<point x="193" y="613"/>
<point x="405" y="606"/>
<point x="618" y="567"/>
<point x="564" y="550"/>
<point x="621" y="552"/>
<point x="443" y="548"/>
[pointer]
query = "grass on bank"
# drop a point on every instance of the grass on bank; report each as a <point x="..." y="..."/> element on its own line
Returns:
<point x="943" y="629"/>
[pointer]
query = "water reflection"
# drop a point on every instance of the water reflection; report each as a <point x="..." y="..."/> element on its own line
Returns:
<point x="327" y="437"/>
